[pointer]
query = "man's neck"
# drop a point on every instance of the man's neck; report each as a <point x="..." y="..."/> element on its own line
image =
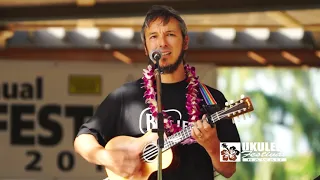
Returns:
<point x="174" y="77"/>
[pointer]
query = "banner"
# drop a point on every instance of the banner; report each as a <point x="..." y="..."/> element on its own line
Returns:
<point x="42" y="106"/>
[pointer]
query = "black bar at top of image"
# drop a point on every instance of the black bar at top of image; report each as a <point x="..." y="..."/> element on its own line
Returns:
<point x="128" y="9"/>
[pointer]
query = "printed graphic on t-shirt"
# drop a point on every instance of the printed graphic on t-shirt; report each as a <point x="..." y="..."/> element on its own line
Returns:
<point x="148" y="122"/>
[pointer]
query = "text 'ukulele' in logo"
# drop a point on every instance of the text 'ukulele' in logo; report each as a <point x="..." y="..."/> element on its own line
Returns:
<point x="230" y="152"/>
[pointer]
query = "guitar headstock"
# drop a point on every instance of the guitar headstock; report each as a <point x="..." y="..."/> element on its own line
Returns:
<point x="234" y="109"/>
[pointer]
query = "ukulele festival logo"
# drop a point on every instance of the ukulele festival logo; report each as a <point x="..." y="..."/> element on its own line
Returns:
<point x="250" y="152"/>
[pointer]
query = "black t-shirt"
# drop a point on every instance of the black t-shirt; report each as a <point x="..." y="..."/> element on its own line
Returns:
<point x="124" y="112"/>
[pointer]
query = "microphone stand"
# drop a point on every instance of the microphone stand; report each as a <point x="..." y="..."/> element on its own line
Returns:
<point x="160" y="129"/>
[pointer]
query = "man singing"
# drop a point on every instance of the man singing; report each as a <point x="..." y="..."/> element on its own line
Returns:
<point x="131" y="110"/>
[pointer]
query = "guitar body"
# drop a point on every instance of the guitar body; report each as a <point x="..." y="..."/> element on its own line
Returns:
<point x="131" y="144"/>
<point x="146" y="147"/>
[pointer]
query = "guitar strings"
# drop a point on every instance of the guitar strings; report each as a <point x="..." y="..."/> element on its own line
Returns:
<point x="223" y="111"/>
<point x="155" y="149"/>
<point x="215" y="119"/>
<point x="150" y="153"/>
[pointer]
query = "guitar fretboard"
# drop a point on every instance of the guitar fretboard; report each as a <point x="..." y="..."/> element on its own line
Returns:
<point x="177" y="138"/>
<point x="235" y="109"/>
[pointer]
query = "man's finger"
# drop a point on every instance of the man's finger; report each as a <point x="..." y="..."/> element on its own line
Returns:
<point x="199" y="125"/>
<point x="197" y="131"/>
<point x="206" y="125"/>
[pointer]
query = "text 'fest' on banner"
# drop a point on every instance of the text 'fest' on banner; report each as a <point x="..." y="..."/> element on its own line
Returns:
<point x="42" y="107"/>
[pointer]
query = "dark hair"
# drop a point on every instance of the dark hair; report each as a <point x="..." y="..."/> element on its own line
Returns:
<point x="165" y="13"/>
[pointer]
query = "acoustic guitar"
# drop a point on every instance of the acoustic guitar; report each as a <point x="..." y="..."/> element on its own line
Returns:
<point x="150" y="150"/>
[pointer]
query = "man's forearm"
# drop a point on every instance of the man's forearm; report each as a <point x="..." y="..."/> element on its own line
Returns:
<point x="89" y="149"/>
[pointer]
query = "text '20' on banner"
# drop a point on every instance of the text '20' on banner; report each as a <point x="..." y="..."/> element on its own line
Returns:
<point x="41" y="109"/>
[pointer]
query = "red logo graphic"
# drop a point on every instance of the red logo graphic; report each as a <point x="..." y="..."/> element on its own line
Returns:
<point x="229" y="154"/>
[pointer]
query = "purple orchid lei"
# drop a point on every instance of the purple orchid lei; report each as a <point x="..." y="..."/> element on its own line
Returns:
<point x="192" y="103"/>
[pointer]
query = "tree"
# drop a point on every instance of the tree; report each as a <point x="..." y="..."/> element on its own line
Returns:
<point x="282" y="98"/>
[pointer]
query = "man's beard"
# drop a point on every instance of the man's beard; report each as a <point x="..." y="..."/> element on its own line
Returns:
<point x="168" y="69"/>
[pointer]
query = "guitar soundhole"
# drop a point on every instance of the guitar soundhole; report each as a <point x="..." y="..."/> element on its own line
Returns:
<point x="150" y="152"/>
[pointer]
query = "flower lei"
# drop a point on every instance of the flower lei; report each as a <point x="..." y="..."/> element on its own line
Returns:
<point x="192" y="102"/>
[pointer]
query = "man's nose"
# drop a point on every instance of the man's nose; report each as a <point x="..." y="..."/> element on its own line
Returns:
<point x="162" y="42"/>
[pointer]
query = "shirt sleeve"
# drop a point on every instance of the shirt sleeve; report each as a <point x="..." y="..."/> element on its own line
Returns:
<point x="102" y="125"/>
<point x="227" y="131"/>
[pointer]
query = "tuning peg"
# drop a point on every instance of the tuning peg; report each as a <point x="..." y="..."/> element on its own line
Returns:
<point x="244" y="116"/>
<point x="226" y="104"/>
<point x="233" y="121"/>
<point x="242" y="96"/>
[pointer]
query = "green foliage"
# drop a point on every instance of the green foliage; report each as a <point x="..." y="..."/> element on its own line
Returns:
<point x="278" y="95"/>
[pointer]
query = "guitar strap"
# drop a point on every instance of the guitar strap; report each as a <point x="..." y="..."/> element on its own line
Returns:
<point x="210" y="101"/>
<point x="206" y="94"/>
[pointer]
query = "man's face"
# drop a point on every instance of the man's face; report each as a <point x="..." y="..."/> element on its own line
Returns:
<point x="168" y="38"/>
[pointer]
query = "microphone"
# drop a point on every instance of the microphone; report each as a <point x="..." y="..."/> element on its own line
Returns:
<point x="155" y="55"/>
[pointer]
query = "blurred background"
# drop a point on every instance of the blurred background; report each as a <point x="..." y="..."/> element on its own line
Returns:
<point x="60" y="58"/>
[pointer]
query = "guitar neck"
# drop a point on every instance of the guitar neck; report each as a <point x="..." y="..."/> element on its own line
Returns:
<point x="233" y="110"/>
<point x="177" y="138"/>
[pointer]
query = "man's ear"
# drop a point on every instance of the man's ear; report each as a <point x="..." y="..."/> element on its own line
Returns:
<point x="145" y="51"/>
<point x="186" y="42"/>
